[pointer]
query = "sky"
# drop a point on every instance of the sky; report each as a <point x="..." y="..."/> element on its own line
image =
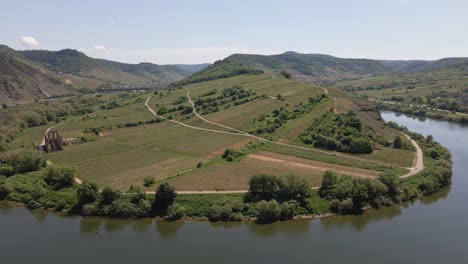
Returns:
<point x="169" y="32"/>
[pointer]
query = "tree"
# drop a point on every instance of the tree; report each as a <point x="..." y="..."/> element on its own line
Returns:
<point x="109" y="195"/>
<point x="295" y="188"/>
<point x="397" y="143"/>
<point x="392" y="182"/>
<point x="59" y="176"/>
<point x="165" y="197"/>
<point x="87" y="193"/>
<point x="264" y="187"/>
<point x="148" y="181"/>
<point x="359" y="194"/>
<point x="329" y="180"/>
<point x="24" y="160"/>
<point x="39" y="191"/>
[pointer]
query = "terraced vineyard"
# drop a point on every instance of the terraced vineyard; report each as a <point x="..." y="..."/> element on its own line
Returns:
<point x="122" y="142"/>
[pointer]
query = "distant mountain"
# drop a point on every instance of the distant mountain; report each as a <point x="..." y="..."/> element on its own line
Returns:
<point x="30" y="74"/>
<point x="316" y="68"/>
<point x="192" y="68"/>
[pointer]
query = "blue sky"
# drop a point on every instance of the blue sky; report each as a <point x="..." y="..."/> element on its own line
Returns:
<point x="203" y="31"/>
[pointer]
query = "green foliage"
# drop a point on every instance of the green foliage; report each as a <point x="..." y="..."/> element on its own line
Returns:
<point x="268" y="211"/>
<point x="24" y="160"/>
<point x="392" y="182"/>
<point x="230" y="154"/>
<point x="59" y="176"/>
<point x="340" y="132"/>
<point x="108" y="195"/>
<point x="148" y="181"/>
<point x="286" y="74"/>
<point x="164" y="197"/>
<point x="290" y="187"/>
<point x="87" y="193"/>
<point x="5" y="190"/>
<point x="397" y="143"/>
<point x="175" y="212"/>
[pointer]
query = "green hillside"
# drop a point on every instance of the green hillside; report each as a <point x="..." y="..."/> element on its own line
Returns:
<point x="33" y="74"/>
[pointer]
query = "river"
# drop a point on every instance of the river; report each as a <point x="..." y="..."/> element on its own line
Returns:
<point x="431" y="230"/>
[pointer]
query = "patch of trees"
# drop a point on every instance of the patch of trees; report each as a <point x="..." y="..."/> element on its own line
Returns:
<point x="235" y="95"/>
<point x="340" y="132"/>
<point x="22" y="161"/>
<point x="286" y="74"/>
<point x="279" y="117"/>
<point x="37" y="189"/>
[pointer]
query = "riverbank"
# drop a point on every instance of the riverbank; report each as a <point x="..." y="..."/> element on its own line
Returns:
<point x="30" y="190"/>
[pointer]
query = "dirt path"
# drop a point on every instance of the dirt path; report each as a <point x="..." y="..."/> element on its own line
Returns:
<point x="419" y="166"/>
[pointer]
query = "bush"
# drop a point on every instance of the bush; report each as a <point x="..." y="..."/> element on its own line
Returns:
<point x="59" y="176"/>
<point x="6" y="170"/>
<point x="234" y="217"/>
<point x="268" y="212"/>
<point x="287" y="211"/>
<point x="175" y="212"/>
<point x="89" y="209"/>
<point x="5" y="190"/>
<point x="108" y="195"/>
<point x="148" y="181"/>
<point x="392" y="182"/>
<point x="24" y="160"/>
<point x="87" y="193"/>
<point x="341" y="207"/>
<point x="124" y="208"/>
<point x="219" y="213"/>
<point x="33" y="204"/>
<point x="39" y="191"/>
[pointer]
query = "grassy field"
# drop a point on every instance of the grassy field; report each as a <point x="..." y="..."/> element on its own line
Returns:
<point x="127" y="156"/>
<point x="223" y="175"/>
<point x="123" y="156"/>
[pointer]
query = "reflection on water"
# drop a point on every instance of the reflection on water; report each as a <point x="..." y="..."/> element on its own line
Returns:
<point x="287" y="228"/>
<point x="442" y="194"/>
<point x="167" y="229"/>
<point x="359" y="222"/>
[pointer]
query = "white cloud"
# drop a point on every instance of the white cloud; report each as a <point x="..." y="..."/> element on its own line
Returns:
<point x="29" y="42"/>
<point x="99" y="47"/>
<point x="175" y="55"/>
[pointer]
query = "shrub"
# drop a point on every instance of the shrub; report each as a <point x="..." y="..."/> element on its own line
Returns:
<point x="108" y="195"/>
<point x="236" y="217"/>
<point x="89" y="209"/>
<point x="392" y="182"/>
<point x="268" y="211"/>
<point x="39" y="191"/>
<point x="59" y="176"/>
<point x="215" y="212"/>
<point x="175" y="212"/>
<point x="5" y="190"/>
<point x="342" y="207"/>
<point x="124" y="208"/>
<point x="24" y="160"/>
<point x="6" y="170"/>
<point x="33" y="204"/>
<point x="148" y="181"/>
<point x="87" y="193"/>
<point x="287" y="211"/>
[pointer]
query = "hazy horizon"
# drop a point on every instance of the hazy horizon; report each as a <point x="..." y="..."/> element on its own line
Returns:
<point x="205" y="31"/>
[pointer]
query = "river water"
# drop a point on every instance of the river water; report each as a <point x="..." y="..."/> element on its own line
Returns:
<point x="431" y="230"/>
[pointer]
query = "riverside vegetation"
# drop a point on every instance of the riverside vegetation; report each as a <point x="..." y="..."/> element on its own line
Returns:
<point x="26" y="180"/>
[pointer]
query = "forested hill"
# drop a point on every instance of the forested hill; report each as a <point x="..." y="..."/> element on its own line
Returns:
<point x="317" y="68"/>
<point x="31" y="74"/>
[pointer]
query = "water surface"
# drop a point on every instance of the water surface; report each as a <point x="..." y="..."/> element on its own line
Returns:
<point x="431" y="230"/>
